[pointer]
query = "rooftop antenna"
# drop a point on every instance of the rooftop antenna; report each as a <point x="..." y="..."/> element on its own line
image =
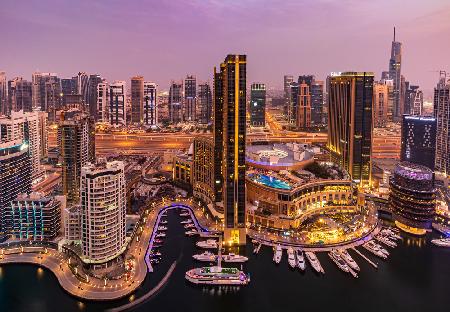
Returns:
<point x="394" y="33"/>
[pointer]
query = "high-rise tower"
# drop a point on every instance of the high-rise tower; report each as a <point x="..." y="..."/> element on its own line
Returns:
<point x="258" y="105"/>
<point x="350" y="100"/>
<point x="232" y="79"/>
<point x="137" y="99"/>
<point x="442" y="114"/>
<point x="395" y="65"/>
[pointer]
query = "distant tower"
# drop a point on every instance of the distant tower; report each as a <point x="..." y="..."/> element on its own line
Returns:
<point x="380" y="104"/>
<point x="350" y="102"/>
<point x="442" y="114"/>
<point x="258" y="104"/>
<point x="303" y="117"/>
<point x="117" y="103"/>
<point x="19" y="95"/>
<point x="287" y="80"/>
<point x="150" y="107"/>
<point x="395" y="65"/>
<point x="103" y="101"/>
<point x="190" y="98"/>
<point x="204" y="103"/>
<point x="232" y="78"/>
<point x="3" y="95"/>
<point x="175" y="102"/>
<point x="137" y="99"/>
<point x="317" y="104"/>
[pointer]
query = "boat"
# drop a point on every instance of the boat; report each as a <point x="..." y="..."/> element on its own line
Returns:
<point x="443" y="242"/>
<point x="186" y="221"/>
<point x="162" y="228"/>
<point x="257" y="248"/>
<point x="209" y="243"/>
<point x="374" y="250"/>
<point x="160" y="235"/>
<point x="391" y="234"/>
<point x="185" y="214"/>
<point x="216" y="275"/>
<point x="154" y="254"/>
<point x="300" y="259"/>
<point x="277" y="254"/>
<point x="158" y="241"/>
<point x="189" y="226"/>
<point x="163" y="222"/>
<point x="386" y="241"/>
<point x="291" y="257"/>
<point x="231" y="257"/>
<point x="312" y="258"/>
<point x="347" y="258"/>
<point x="379" y="247"/>
<point x="206" y="256"/>
<point x="339" y="261"/>
<point x="191" y="233"/>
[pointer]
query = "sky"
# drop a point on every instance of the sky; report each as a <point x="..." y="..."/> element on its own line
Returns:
<point x="164" y="40"/>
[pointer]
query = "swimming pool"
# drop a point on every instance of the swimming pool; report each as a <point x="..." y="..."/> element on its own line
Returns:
<point x="272" y="182"/>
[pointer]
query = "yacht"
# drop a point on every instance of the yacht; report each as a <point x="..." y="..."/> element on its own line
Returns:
<point x="184" y="214"/>
<point x="386" y="241"/>
<point x="277" y="255"/>
<point x="154" y="260"/>
<point x="231" y="257"/>
<point x="154" y="254"/>
<point x="191" y="233"/>
<point x="379" y="247"/>
<point x="206" y="256"/>
<point x="158" y="241"/>
<point x="374" y="249"/>
<point x="347" y="258"/>
<point x="208" y="244"/>
<point x="160" y="235"/>
<point x="162" y="228"/>
<point x="391" y="234"/>
<point x="186" y="221"/>
<point x="163" y="222"/>
<point x="291" y="257"/>
<point x="339" y="261"/>
<point x="216" y="275"/>
<point x="300" y="259"/>
<point x="312" y="258"/>
<point x="189" y="226"/>
<point x="443" y="242"/>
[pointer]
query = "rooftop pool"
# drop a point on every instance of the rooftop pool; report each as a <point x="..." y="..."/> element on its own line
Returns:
<point x="271" y="182"/>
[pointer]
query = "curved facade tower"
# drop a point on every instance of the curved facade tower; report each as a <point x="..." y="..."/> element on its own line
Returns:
<point x="412" y="197"/>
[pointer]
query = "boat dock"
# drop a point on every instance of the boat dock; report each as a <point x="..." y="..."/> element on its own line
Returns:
<point x="365" y="258"/>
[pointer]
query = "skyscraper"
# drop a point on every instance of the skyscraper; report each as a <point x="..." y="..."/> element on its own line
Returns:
<point x="19" y="95"/>
<point x="117" y="103"/>
<point x="3" y="94"/>
<point x="103" y="101"/>
<point x="46" y="93"/>
<point x="395" y="65"/>
<point x="82" y="88"/>
<point x="204" y="103"/>
<point x="293" y="104"/>
<point x="190" y="98"/>
<point x="258" y="104"/>
<point x="287" y="80"/>
<point x="380" y="104"/>
<point x="413" y="100"/>
<point x="418" y="140"/>
<point x="15" y="178"/>
<point x="175" y="102"/>
<point x="303" y="116"/>
<point x="233" y="82"/>
<point x="350" y="123"/>
<point x="150" y="107"/>
<point x="317" y="103"/>
<point x="103" y="208"/>
<point x="442" y="114"/>
<point x="74" y="143"/>
<point x="93" y="82"/>
<point x="203" y="169"/>
<point x="218" y="133"/>
<point x="137" y="99"/>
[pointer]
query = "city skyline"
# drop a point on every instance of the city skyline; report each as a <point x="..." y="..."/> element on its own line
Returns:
<point x="85" y="29"/>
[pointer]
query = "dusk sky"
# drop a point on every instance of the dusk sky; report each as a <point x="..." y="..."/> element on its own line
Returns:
<point x="164" y="40"/>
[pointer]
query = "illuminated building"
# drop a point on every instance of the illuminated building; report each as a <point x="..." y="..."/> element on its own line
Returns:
<point x="303" y="116"/>
<point x="413" y="100"/>
<point x="19" y="95"/>
<point x="350" y="100"/>
<point x="190" y="98"/>
<point x="380" y="104"/>
<point x="293" y="104"/>
<point x="218" y="134"/>
<point x="419" y="140"/>
<point x="76" y="149"/>
<point x="317" y="107"/>
<point x="33" y="217"/>
<point x="102" y="102"/>
<point x="232" y="78"/>
<point x="150" y="107"/>
<point x="4" y="105"/>
<point x="412" y="197"/>
<point x="287" y="80"/>
<point x="91" y="97"/>
<point x="442" y="115"/>
<point x="204" y="104"/>
<point x="258" y="104"/>
<point x="182" y="169"/>
<point x="175" y="102"/>
<point x="102" y="214"/>
<point x="46" y="93"/>
<point x="43" y="134"/>
<point x="203" y="169"/>
<point x="117" y="103"/>
<point x="137" y="99"/>
<point x="395" y="64"/>
<point x="15" y="177"/>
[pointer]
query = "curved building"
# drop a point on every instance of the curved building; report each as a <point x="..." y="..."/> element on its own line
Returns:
<point x="412" y="197"/>
<point x="103" y="208"/>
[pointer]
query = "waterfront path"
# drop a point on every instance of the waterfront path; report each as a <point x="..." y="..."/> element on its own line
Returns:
<point x="87" y="287"/>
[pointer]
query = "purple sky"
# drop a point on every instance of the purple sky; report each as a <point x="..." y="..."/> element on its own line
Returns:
<point x="165" y="40"/>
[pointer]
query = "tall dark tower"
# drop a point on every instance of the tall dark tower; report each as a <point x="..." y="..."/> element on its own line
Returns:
<point x="350" y="102"/>
<point x="395" y="65"/>
<point x="230" y="88"/>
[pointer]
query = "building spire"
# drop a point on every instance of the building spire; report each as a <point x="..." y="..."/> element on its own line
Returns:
<point x="394" y="33"/>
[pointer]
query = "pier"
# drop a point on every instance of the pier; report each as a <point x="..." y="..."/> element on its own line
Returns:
<point x="364" y="257"/>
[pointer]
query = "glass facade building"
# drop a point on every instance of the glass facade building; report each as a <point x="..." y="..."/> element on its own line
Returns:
<point x="258" y="104"/>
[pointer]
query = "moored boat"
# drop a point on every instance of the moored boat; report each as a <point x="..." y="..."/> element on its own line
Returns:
<point x="209" y="243"/>
<point x="300" y="259"/>
<point x="312" y="258"/>
<point x="216" y="275"/>
<point x="231" y="257"/>
<point x="291" y="257"/>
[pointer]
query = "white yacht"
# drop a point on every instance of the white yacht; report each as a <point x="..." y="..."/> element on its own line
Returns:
<point x="191" y="233"/>
<point x="208" y="244"/>
<point x="370" y="246"/>
<point x="206" y="256"/>
<point x="186" y="221"/>
<point x="163" y="222"/>
<point x="184" y="214"/>
<point x="300" y="259"/>
<point x="189" y="226"/>
<point x="160" y="235"/>
<point x="341" y="263"/>
<point x="386" y="241"/>
<point x="216" y="275"/>
<point x="278" y="254"/>
<point x="347" y="258"/>
<point x="231" y="257"/>
<point x="443" y="242"/>
<point x="291" y="257"/>
<point x="312" y="258"/>
<point x="162" y="228"/>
